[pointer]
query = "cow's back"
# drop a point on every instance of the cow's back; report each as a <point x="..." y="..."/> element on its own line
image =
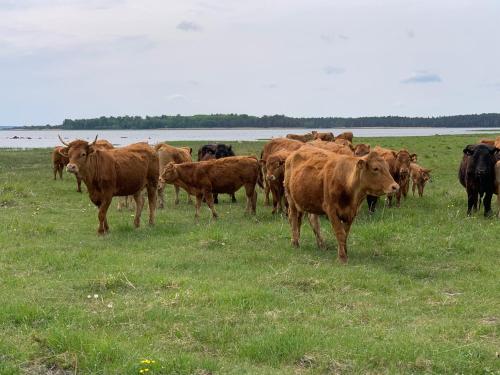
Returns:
<point x="167" y="154"/>
<point x="278" y="144"/>
<point x="332" y="147"/>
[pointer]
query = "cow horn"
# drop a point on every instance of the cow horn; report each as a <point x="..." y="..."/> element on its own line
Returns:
<point x="64" y="143"/>
<point x="95" y="139"/>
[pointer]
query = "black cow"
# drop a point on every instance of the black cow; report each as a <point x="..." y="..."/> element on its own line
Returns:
<point x="477" y="175"/>
<point x="217" y="151"/>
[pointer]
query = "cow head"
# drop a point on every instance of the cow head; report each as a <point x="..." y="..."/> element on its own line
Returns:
<point x="77" y="152"/>
<point x="169" y="174"/>
<point x="223" y="151"/>
<point x="375" y="176"/>
<point x="482" y="159"/>
<point x="403" y="160"/>
<point x="275" y="167"/>
<point x="361" y="149"/>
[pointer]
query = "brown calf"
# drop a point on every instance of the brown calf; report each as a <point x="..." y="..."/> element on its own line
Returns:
<point x="275" y="175"/>
<point x="59" y="161"/>
<point x="419" y="176"/>
<point x="225" y="175"/>
<point x="361" y="149"/>
<point x="319" y="182"/>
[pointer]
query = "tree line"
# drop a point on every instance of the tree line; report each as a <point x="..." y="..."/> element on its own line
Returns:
<point x="486" y="120"/>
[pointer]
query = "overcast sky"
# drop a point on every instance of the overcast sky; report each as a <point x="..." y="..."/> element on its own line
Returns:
<point x="88" y="58"/>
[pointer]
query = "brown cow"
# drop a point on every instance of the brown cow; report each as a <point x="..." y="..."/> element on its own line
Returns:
<point x="225" y="175"/>
<point x="419" y="176"/>
<point x="344" y="142"/>
<point x="177" y="155"/>
<point x="328" y="136"/>
<point x="59" y="161"/>
<point x="302" y="137"/>
<point x="116" y="172"/>
<point x="319" y="182"/>
<point x="491" y="142"/>
<point x="399" y="166"/>
<point x="497" y="183"/>
<point x="332" y="146"/>
<point x="348" y="136"/>
<point x="275" y="175"/>
<point x="271" y="147"/>
<point x="361" y="149"/>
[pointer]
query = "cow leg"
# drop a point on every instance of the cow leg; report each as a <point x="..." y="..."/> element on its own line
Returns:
<point x="389" y="199"/>
<point x="420" y="190"/>
<point x="210" y="203"/>
<point x="413" y="188"/>
<point x="233" y="198"/>
<point x="161" y="197"/>
<point x="372" y="203"/>
<point x="398" y="198"/>
<point x="176" y="202"/>
<point x="139" y="203"/>
<point x="78" y="184"/>
<point x="103" y="223"/>
<point x="316" y="227"/>
<point x="152" y="191"/>
<point x="216" y="198"/>
<point x="60" y="171"/>
<point x="487" y="204"/>
<point x="295" y="219"/>
<point x="341" y="235"/>
<point x="274" y="193"/>
<point x="55" y="169"/>
<point x="471" y="201"/>
<point x="267" y="189"/>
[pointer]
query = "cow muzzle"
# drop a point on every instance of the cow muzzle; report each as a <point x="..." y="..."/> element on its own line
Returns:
<point x="271" y="177"/>
<point x="393" y="188"/>
<point x="72" y="168"/>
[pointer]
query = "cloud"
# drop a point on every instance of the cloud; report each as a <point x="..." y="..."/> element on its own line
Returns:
<point x="333" y="70"/>
<point x="189" y="26"/>
<point x="423" y="76"/>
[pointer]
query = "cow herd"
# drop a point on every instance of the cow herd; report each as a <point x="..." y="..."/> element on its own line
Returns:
<point x="312" y="174"/>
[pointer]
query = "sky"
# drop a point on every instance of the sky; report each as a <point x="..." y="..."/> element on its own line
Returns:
<point x="310" y="58"/>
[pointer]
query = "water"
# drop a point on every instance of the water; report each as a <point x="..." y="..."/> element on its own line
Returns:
<point x="48" y="138"/>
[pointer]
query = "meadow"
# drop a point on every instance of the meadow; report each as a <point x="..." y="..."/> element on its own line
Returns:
<point x="420" y="294"/>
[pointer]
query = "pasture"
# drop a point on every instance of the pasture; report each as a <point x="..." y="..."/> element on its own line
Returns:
<point x="420" y="294"/>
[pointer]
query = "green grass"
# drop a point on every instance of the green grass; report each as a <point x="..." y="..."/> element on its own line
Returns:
<point x="421" y="292"/>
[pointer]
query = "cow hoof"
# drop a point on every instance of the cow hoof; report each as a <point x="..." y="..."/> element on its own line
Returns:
<point x="343" y="260"/>
<point x="488" y="214"/>
<point x="295" y="243"/>
<point x="176" y="202"/>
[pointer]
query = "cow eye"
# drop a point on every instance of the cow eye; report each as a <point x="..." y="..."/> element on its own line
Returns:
<point x="375" y="169"/>
<point x="83" y="153"/>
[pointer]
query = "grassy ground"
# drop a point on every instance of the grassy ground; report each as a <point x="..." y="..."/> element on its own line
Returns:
<point x="421" y="292"/>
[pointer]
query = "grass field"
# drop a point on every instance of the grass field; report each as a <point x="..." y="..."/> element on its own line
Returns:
<point x="420" y="294"/>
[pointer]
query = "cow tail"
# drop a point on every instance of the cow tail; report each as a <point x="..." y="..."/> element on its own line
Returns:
<point x="260" y="179"/>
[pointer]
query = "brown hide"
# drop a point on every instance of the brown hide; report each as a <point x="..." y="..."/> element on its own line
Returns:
<point x="59" y="161"/>
<point x="345" y="135"/>
<point x="302" y="137"/>
<point x="361" y="149"/>
<point x="497" y="183"/>
<point x="116" y="172"/>
<point x="170" y="154"/>
<point x="332" y="146"/>
<point x="491" y="142"/>
<point x="275" y="175"/>
<point x="320" y="182"/>
<point x="344" y="142"/>
<point x="327" y="136"/>
<point x="419" y="176"/>
<point x="225" y="175"/>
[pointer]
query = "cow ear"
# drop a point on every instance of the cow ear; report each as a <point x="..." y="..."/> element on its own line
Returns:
<point x="63" y="152"/>
<point x="262" y="162"/>
<point x="469" y="149"/>
<point x="495" y="150"/>
<point x="395" y="154"/>
<point x="361" y="163"/>
<point x="90" y="149"/>
<point x="190" y="151"/>
<point x="413" y="158"/>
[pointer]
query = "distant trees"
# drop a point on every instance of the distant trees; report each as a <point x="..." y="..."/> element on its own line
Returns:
<point x="486" y="120"/>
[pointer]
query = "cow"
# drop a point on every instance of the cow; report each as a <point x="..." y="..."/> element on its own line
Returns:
<point x="59" y="161"/>
<point x="492" y="142"/>
<point x="302" y="137"/>
<point x="399" y="166"/>
<point x="225" y="175"/>
<point x="275" y="175"/>
<point x="327" y="136"/>
<point x="497" y="183"/>
<point x="332" y="146"/>
<point x="217" y="151"/>
<point x="116" y="172"/>
<point x="419" y="176"/>
<point x="348" y="136"/>
<point x="477" y="175"/>
<point x="319" y="182"/>
<point x="344" y="142"/>
<point x="167" y="154"/>
<point x="271" y="147"/>
<point x="361" y="149"/>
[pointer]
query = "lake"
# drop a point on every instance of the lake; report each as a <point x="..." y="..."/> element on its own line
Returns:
<point x="48" y="138"/>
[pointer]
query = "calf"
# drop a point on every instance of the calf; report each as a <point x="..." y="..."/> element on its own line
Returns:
<point x="419" y="176"/>
<point x="361" y="149"/>
<point x="225" y="175"/>
<point x="59" y="161"/>
<point x="319" y="182"/>
<point x="477" y="175"/>
<point x="116" y="172"/>
<point x="275" y="175"/>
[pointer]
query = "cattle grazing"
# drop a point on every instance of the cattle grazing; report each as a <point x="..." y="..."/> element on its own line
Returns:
<point x="217" y="151"/>
<point x="275" y="175"/>
<point x="116" y="172"/>
<point x="225" y="175"/>
<point x="177" y="155"/>
<point x="59" y="161"/>
<point x="319" y="182"/>
<point x="348" y="136"/>
<point x="327" y="136"/>
<point x="419" y="176"/>
<point x="399" y="167"/>
<point x="302" y="137"/>
<point x="271" y="147"/>
<point x="361" y="149"/>
<point x="477" y="175"/>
